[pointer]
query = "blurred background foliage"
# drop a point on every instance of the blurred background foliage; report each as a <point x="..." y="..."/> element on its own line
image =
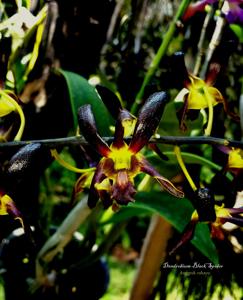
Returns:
<point x="56" y="56"/>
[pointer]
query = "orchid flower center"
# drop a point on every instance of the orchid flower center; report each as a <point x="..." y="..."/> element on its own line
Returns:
<point x="121" y="157"/>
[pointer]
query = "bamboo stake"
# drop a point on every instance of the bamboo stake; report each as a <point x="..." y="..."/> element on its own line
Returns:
<point x="152" y="256"/>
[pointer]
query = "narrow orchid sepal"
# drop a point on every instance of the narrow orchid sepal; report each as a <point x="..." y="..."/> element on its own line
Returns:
<point x="234" y="220"/>
<point x="148" y="120"/>
<point x="187" y="235"/>
<point x="88" y="129"/>
<point x="164" y="182"/>
<point x="98" y="177"/>
<point x="235" y="211"/>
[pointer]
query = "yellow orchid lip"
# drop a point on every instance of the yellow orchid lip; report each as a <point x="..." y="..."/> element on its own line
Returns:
<point x="199" y="94"/>
<point x="8" y="105"/>
<point x="235" y="159"/>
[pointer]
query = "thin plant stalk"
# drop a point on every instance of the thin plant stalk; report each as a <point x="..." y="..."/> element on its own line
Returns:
<point x="215" y="40"/>
<point x="200" y="47"/>
<point x="183" y="168"/>
<point x="160" y="54"/>
<point x="167" y="140"/>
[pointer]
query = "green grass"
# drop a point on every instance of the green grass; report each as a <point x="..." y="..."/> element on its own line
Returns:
<point x="2" y="296"/>
<point x="121" y="280"/>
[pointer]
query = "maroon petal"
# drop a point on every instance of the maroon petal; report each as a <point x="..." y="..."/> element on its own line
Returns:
<point x="105" y="198"/>
<point x="93" y="194"/>
<point x="186" y="236"/>
<point x="179" y="70"/>
<point x="182" y="114"/>
<point x="119" y="132"/>
<point x="164" y="182"/>
<point x="234" y="220"/>
<point x="89" y="131"/>
<point x="235" y="210"/>
<point x="148" y="120"/>
<point x="156" y="149"/>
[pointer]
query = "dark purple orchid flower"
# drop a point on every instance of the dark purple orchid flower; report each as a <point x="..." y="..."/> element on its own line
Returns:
<point x="113" y="180"/>
<point x="196" y="7"/>
<point x="233" y="11"/>
<point x="207" y="211"/>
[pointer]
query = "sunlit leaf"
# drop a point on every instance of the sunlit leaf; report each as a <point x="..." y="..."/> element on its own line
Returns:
<point x="238" y="30"/>
<point x="178" y="213"/>
<point x="169" y="124"/>
<point x="81" y="92"/>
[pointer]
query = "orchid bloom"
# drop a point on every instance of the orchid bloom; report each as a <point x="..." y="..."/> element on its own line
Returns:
<point x="196" y="7"/>
<point x="199" y="94"/>
<point x="8" y="207"/>
<point x="233" y="11"/>
<point x="207" y="211"/>
<point x="235" y="159"/>
<point x="9" y="104"/>
<point x="113" y="180"/>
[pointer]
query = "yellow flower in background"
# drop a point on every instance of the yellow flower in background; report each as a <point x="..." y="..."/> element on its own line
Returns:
<point x="9" y="104"/>
<point x="199" y="94"/>
<point x="235" y="159"/>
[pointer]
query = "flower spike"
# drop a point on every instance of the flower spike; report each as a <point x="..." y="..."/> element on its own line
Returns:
<point x="89" y="131"/>
<point x="148" y="120"/>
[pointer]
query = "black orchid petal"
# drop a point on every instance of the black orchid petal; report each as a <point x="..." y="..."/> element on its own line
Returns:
<point x="89" y="131"/>
<point x="235" y="210"/>
<point x="164" y="182"/>
<point x="157" y="150"/>
<point x="148" y="120"/>
<point x="179" y="70"/>
<point x="123" y="117"/>
<point x="28" y="160"/>
<point x="203" y="202"/>
<point x="110" y="100"/>
<point x="234" y="220"/>
<point x="186" y="236"/>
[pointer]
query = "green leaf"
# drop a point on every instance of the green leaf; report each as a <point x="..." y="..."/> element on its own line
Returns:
<point x="125" y="213"/>
<point x="238" y="30"/>
<point x="175" y="211"/>
<point x="81" y="92"/>
<point x="204" y="243"/>
<point x="169" y="124"/>
<point x="178" y="213"/>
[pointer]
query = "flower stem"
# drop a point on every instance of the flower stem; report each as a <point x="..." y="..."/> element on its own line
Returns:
<point x="215" y="40"/>
<point x="167" y="140"/>
<point x="183" y="167"/>
<point x="160" y="53"/>
<point x="201" y="50"/>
